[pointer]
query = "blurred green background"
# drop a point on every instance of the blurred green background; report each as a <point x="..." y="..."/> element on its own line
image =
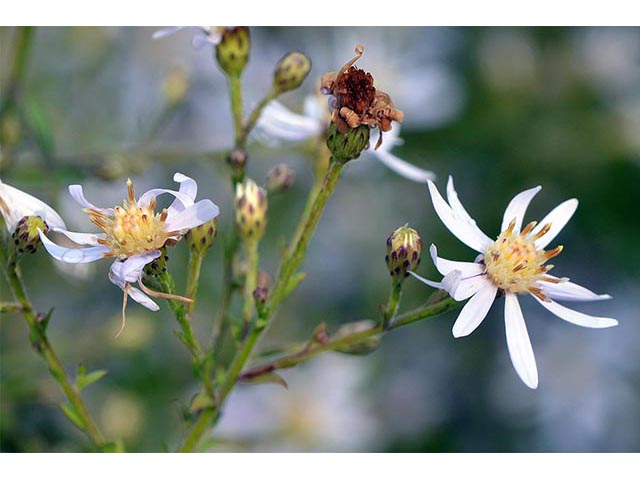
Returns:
<point x="500" y="109"/>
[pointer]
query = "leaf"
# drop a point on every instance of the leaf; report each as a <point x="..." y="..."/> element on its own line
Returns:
<point x="73" y="416"/>
<point x="200" y="401"/>
<point x="293" y="283"/>
<point x="114" y="447"/>
<point x="270" y="377"/>
<point x="84" y="380"/>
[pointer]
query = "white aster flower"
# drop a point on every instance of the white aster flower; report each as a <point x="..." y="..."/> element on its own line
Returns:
<point x="203" y="36"/>
<point x="513" y="264"/>
<point x="15" y="204"/>
<point x="134" y="234"/>
<point x="278" y="125"/>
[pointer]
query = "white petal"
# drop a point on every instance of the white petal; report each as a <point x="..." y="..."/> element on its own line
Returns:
<point x="444" y="266"/>
<point x="577" y="318"/>
<point x="474" y="311"/>
<point x="569" y="291"/>
<point x="72" y="255"/>
<point x="130" y="269"/>
<point x="146" y="198"/>
<point x="165" y="32"/>
<point x="188" y="185"/>
<point x="15" y="204"/>
<point x="456" y="206"/>
<point x="142" y="299"/>
<point x="76" y="192"/>
<point x="431" y="283"/>
<point x="81" y="238"/>
<point x="402" y="167"/>
<point x="278" y="124"/>
<point x="315" y="107"/>
<point x="518" y="342"/>
<point x="467" y="233"/>
<point x="467" y="287"/>
<point x="558" y="217"/>
<point x="191" y="217"/>
<point x="449" y="283"/>
<point x="517" y="208"/>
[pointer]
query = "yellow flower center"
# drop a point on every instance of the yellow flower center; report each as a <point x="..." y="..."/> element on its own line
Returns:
<point x="514" y="263"/>
<point x="133" y="229"/>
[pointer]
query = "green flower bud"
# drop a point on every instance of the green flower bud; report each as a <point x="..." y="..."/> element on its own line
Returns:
<point x="251" y="210"/>
<point x="233" y="50"/>
<point x="291" y="71"/>
<point x="280" y="178"/>
<point x="26" y="237"/>
<point x="349" y="145"/>
<point x="159" y="265"/>
<point x="404" y="246"/>
<point x="237" y="160"/>
<point x="201" y="238"/>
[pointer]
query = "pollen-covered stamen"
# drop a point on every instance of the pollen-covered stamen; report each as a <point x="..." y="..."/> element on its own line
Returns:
<point x="132" y="229"/>
<point x="514" y="263"/>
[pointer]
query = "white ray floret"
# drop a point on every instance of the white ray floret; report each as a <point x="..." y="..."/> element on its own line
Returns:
<point x="278" y="125"/>
<point x="133" y="234"/>
<point x="514" y="263"/>
<point x="15" y="204"/>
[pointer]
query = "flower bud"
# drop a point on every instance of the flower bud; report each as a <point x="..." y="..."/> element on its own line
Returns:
<point x="159" y="265"/>
<point x="349" y="145"/>
<point x="280" y="178"/>
<point x="364" y="346"/>
<point x="201" y="238"/>
<point x="237" y="160"/>
<point x="251" y="210"/>
<point x="290" y="72"/>
<point x="233" y="50"/>
<point x="404" y="246"/>
<point x="26" y="237"/>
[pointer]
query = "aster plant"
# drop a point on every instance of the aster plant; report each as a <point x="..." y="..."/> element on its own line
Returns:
<point x="138" y="238"/>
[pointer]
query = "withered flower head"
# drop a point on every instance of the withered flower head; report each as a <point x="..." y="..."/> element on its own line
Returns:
<point x="356" y="101"/>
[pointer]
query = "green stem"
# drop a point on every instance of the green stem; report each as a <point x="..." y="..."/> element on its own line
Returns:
<point x="433" y="307"/>
<point x="200" y="427"/>
<point x="221" y="321"/>
<point x="193" y="278"/>
<point x="18" y="66"/>
<point x="393" y="303"/>
<point x="241" y="140"/>
<point x="250" y="281"/>
<point x="235" y="89"/>
<point x="42" y="346"/>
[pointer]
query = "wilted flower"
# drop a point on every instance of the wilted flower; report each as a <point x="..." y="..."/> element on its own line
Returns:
<point x="16" y="204"/>
<point x="278" y="125"/>
<point x="134" y="234"/>
<point x="511" y="265"/>
<point x="355" y="101"/>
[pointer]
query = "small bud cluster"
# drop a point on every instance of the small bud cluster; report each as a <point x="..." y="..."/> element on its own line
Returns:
<point x="159" y="265"/>
<point x="237" y="160"/>
<point x="356" y="101"/>
<point x="404" y="246"/>
<point x="232" y="52"/>
<point x="251" y="210"/>
<point x="26" y="237"/>
<point x="201" y="238"/>
<point x="280" y="178"/>
<point x="290" y="72"/>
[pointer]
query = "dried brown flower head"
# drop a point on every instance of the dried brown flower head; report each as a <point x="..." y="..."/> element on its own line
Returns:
<point x="356" y="101"/>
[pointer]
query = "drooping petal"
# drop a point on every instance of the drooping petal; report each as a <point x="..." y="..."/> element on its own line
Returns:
<point x="558" y="218"/>
<point x="192" y="216"/>
<point x="403" y="168"/>
<point x="569" y="291"/>
<point x="517" y="208"/>
<point x="474" y="311"/>
<point x="469" y="234"/>
<point x="518" y="342"/>
<point x="577" y="318"/>
<point x="130" y="269"/>
<point x="133" y="292"/>
<point x="449" y="283"/>
<point x="76" y="192"/>
<point x="15" y="204"/>
<point x="146" y="198"/>
<point x="431" y="283"/>
<point x="467" y="287"/>
<point x="444" y="266"/>
<point x="81" y="238"/>
<point x="73" y="255"/>
<point x="189" y="187"/>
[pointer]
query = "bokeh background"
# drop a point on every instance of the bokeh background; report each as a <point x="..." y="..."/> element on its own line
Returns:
<point x="500" y="109"/>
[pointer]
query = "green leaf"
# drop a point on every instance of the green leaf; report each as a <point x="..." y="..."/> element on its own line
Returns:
<point x="114" y="447"/>
<point x="73" y="416"/>
<point x="293" y="283"/>
<point x="200" y="401"/>
<point x="84" y="380"/>
<point x="270" y="377"/>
